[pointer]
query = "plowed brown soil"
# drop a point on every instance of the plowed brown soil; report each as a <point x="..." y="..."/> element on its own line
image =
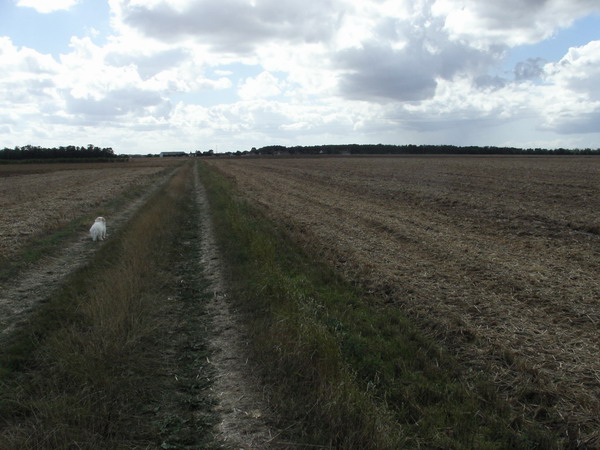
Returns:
<point x="498" y="257"/>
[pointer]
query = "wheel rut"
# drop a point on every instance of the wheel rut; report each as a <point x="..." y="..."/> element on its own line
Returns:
<point x="245" y="419"/>
<point x="37" y="283"/>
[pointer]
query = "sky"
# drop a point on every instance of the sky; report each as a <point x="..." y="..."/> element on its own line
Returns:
<point x="145" y="76"/>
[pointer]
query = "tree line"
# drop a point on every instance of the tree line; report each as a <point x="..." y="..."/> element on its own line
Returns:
<point x="69" y="152"/>
<point x="411" y="149"/>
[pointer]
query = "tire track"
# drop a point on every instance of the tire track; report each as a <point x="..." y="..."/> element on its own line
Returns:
<point x="243" y="409"/>
<point x="19" y="297"/>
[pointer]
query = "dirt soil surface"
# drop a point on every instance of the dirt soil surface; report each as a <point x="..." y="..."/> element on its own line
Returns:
<point x="498" y="257"/>
<point x="245" y="418"/>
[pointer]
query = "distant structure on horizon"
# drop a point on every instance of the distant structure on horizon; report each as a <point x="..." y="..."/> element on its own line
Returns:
<point x="169" y="154"/>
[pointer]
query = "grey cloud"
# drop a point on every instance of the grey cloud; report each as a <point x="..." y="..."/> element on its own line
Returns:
<point x="6" y="119"/>
<point x="26" y="91"/>
<point x="35" y="65"/>
<point x="509" y="13"/>
<point x="378" y="72"/>
<point x="234" y="25"/>
<point x="530" y="69"/>
<point x="490" y="82"/>
<point x="148" y="66"/>
<point x="580" y="124"/>
<point x="462" y="121"/>
<point x="115" y="104"/>
<point x="531" y="20"/>
<point x="151" y="126"/>
<point x="461" y="125"/>
<point x="515" y="14"/>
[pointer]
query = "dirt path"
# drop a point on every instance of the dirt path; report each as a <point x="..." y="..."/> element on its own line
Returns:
<point x="244" y="419"/>
<point x="18" y="297"/>
<point x="211" y="332"/>
<point x="242" y="407"/>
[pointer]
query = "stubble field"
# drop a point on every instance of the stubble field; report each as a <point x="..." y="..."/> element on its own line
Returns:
<point x="38" y="198"/>
<point x="497" y="257"/>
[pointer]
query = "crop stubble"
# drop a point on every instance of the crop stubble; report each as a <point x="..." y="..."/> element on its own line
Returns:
<point x="497" y="256"/>
<point x="37" y="198"/>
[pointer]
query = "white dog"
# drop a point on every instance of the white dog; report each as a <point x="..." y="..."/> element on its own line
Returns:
<point x="98" y="230"/>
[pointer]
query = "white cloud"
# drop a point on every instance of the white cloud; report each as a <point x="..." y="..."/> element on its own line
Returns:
<point x="263" y="86"/>
<point x="296" y="72"/>
<point x="47" y="6"/>
<point x="571" y="93"/>
<point x="578" y="71"/>
<point x="27" y="79"/>
<point x="566" y="102"/>
<point x="461" y="101"/>
<point x="485" y="23"/>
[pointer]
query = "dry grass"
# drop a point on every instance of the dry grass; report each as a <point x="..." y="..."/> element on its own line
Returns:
<point x="37" y="199"/>
<point x="496" y="256"/>
<point x="82" y="373"/>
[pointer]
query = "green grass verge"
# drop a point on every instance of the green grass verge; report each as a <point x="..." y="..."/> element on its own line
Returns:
<point x="348" y="370"/>
<point x="88" y="370"/>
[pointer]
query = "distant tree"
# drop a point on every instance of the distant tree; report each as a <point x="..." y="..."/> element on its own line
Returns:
<point x="379" y="149"/>
<point x="36" y="152"/>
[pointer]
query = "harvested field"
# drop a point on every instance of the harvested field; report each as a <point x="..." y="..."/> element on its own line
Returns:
<point x="37" y="198"/>
<point x="498" y="257"/>
<point x="131" y="342"/>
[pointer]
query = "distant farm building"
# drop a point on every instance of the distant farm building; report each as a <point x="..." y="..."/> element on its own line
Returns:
<point x="170" y="154"/>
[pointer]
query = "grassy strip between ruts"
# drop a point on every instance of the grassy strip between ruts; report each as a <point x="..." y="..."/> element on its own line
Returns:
<point x="90" y="368"/>
<point x="348" y="370"/>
